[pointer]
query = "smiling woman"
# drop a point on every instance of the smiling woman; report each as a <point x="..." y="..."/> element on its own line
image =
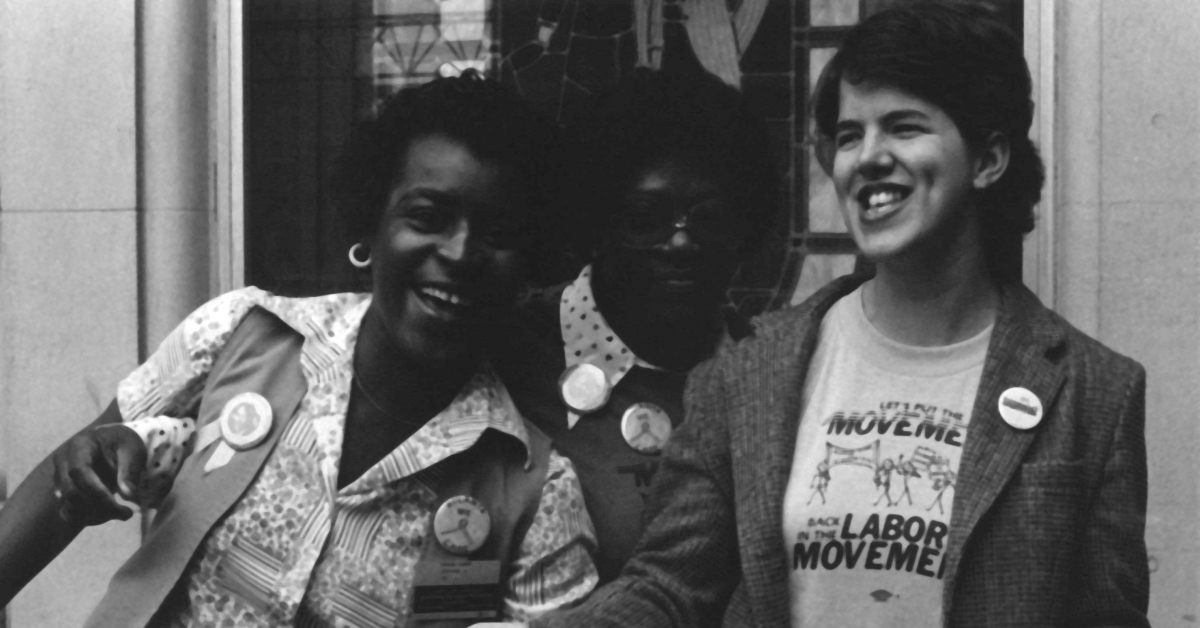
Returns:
<point x="903" y="171"/>
<point x="323" y="460"/>
<point x="448" y="205"/>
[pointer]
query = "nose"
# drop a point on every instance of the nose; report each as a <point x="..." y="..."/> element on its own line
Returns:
<point x="460" y="245"/>
<point x="874" y="158"/>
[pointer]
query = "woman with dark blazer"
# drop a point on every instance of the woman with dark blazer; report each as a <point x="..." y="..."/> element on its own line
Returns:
<point x="924" y="445"/>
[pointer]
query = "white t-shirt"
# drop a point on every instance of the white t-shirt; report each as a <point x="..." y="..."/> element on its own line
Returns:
<point x="867" y="508"/>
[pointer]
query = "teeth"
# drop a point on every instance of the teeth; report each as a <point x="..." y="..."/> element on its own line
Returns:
<point x="442" y="295"/>
<point x="882" y="198"/>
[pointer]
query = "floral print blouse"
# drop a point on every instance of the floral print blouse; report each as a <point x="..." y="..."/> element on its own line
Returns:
<point x="295" y="550"/>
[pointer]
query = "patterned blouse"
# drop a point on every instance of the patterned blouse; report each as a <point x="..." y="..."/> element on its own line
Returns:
<point x="295" y="550"/>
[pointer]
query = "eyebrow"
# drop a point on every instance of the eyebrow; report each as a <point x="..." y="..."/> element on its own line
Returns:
<point x="437" y="196"/>
<point x="893" y="116"/>
<point x="890" y="117"/>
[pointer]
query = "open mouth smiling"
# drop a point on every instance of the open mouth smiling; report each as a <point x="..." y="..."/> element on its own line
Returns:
<point x="880" y="200"/>
<point x="446" y="302"/>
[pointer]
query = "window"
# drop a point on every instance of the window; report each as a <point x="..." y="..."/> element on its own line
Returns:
<point x="311" y="67"/>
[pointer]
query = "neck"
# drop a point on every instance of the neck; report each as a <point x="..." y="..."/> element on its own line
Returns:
<point x="932" y="302"/>
<point x="406" y="387"/>
<point x="675" y="340"/>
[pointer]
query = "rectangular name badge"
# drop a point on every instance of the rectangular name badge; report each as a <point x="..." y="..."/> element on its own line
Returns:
<point x="456" y="588"/>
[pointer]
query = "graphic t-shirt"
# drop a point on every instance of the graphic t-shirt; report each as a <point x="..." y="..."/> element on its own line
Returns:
<point x="867" y="509"/>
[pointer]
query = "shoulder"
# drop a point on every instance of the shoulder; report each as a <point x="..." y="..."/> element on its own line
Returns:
<point x="328" y="321"/>
<point x="782" y="333"/>
<point x="228" y="309"/>
<point x="1085" y="352"/>
<point x="1102" y="391"/>
<point x="328" y="315"/>
<point x="1079" y="354"/>
<point x="1107" y="388"/>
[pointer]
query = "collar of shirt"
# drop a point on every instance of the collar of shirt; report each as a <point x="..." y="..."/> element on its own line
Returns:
<point x="330" y="328"/>
<point x="587" y="338"/>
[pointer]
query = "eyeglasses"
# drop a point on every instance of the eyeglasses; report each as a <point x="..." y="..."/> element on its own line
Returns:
<point x="648" y="223"/>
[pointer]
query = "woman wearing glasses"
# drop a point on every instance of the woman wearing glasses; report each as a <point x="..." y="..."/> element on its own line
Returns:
<point x="672" y="190"/>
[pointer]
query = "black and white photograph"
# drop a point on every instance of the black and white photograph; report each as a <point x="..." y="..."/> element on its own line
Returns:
<point x="599" y="313"/>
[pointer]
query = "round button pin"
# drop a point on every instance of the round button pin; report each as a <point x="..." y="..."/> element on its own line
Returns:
<point x="646" y="427"/>
<point x="462" y="525"/>
<point x="1020" y="408"/>
<point x="584" y="388"/>
<point x="245" y="420"/>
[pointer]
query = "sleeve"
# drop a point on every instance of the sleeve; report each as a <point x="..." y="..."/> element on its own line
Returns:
<point x="159" y="399"/>
<point x="686" y="565"/>
<point x="1114" y="579"/>
<point x="554" y="565"/>
<point x="167" y="441"/>
<point x="171" y="380"/>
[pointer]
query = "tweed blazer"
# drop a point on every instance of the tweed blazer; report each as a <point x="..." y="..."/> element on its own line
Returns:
<point x="1048" y="523"/>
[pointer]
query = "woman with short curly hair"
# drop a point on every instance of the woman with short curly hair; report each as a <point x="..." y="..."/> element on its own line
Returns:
<point x="349" y="459"/>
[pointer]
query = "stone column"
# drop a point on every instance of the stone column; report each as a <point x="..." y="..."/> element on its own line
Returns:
<point x="173" y="152"/>
<point x="68" y="257"/>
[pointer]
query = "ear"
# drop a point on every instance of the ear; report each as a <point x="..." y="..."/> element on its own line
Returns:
<point x="992" y="161"/>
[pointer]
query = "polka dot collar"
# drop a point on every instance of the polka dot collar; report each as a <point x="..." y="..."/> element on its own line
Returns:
<point x="587" y="338"/>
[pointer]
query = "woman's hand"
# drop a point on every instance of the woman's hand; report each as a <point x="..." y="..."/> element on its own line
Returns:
<point x="92" y="468"/>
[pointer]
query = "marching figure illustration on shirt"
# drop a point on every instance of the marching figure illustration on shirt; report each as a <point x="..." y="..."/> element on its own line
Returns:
<point x="883" y="480"/>
<point x="906" y="470"/>
<point x="943" y="478"/>
<point x="820" y="481"/>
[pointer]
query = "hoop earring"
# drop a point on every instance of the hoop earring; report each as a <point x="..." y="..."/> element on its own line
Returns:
<point x="354" y="257"/>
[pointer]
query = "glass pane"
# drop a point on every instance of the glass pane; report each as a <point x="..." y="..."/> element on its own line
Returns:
<point x="833" y="12"/>
<point x="307" y="75"/>
<point x="818" y="58"/>
<point x="824" y="216"/>
<point x="819" y="270"/>
<point x="416" y="40"/>
<point x="311" y="68"/>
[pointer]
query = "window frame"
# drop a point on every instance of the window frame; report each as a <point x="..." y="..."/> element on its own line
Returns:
<point x="226" y="113"/>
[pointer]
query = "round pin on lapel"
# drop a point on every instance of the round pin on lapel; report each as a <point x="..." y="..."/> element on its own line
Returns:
<point x="1020" y="408"/>
<point x="584" y="388"/>
<point x="462" y="525"/>
<point x="646" y="427"/>
<point x="245" y="420"/>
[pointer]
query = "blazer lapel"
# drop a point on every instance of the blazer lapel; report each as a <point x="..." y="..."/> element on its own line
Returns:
<point x="764" y="417"/>
<point x="993" y="450"/>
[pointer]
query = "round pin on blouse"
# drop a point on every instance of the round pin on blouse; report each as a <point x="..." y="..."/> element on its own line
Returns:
<point x="646" y="427"/>
<point x="1020" y="408"/>
<point x="462" y="525"/>
<point x="584" y="388"/>
<point x="245" y="420"/>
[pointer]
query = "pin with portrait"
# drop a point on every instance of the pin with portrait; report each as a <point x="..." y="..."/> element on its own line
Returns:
<point x="646" y="428"/>
<point x="244" y="423"/>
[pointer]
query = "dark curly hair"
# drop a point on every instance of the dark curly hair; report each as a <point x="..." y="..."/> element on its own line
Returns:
<point x="958" y="56"/>
<point x="650" y="115"/>
<point x="491" y="120"/>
